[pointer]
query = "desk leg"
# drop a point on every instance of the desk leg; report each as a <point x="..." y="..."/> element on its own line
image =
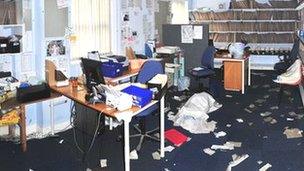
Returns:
<point x="243" y="77"/>
<point x="249" y="73"/>
<point x="22" y="128"/>
<point x="127" y="144"/>
<point x="162" y="127"/>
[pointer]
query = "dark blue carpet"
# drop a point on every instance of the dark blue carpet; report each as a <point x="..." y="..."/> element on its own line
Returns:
<point x="261" y="141"/>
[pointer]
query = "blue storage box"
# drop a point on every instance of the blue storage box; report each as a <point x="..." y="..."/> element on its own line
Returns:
<point x="111" y="69"/>
<point x="141" y="96"/>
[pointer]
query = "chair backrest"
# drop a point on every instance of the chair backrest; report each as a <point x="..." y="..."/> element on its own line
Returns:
<point x="295" y="49"/>
<point x="208" y="57"/>
<point x="149" y="69"/>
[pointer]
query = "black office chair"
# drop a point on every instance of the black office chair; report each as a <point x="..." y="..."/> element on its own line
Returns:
<point x="286" y="60"/>
<point x="207" y="65"/>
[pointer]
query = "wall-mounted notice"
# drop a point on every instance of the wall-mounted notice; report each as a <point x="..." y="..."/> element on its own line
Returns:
<point x="187" y="34"/>
<point x="55" y="47"/>
<point x="62" y="4"/>
<point x="27" y="64"/>
<point x="6" y="63"/>
<point x="198" y="32"/>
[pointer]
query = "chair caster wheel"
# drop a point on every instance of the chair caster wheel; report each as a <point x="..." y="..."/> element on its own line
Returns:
<point x="119" y="138"/>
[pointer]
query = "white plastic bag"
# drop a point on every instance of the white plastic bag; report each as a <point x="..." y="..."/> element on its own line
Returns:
<point x="293" y="74"/>
<point x="194" y="114"/>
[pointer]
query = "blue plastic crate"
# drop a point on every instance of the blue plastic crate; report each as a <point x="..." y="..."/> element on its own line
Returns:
<point x="141" y="96"/>
<point x="111" y="69"/>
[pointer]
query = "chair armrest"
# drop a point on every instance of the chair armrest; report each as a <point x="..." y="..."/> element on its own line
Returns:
<point x="282" y="57"/>
<point x="140" y="56"/>
<point x="160" y="91"/>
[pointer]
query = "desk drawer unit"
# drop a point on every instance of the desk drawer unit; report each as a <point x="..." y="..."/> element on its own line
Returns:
<point x="233" y="75"/>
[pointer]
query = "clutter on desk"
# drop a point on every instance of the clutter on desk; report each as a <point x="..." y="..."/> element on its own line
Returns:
<point x="111" y="69"/>
<point x="167" y="50"/>
<point x="112" y="97"/>
<point x="54" y="77"/>
<point x="237" y="50"/>
<point x="27" y="92"/>
<point x="8" y="82"/>
<point x="141" y="96"/>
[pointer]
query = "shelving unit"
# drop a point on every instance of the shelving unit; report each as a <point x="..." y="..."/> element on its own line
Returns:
<point x="260" y="25"/>
<point x="18" y="29"/>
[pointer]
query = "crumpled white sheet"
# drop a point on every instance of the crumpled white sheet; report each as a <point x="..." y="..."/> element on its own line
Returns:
<point x="194" y="114"/>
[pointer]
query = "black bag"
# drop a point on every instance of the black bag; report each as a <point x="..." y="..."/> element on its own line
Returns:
<point x="32" y="93"/>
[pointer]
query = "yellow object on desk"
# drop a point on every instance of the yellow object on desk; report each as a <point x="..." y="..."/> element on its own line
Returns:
<point x="9" y="118"/>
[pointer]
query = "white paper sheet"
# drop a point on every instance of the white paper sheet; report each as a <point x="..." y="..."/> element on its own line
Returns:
<point x="198" y="32"/>
<point x="187" y="34"/>
<point x="62" y="4"/>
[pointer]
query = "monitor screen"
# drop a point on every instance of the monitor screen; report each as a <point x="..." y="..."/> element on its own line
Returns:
<point x="92" y="70"/>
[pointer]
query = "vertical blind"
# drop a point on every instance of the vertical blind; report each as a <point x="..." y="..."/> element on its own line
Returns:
<point x="90" y="21"/>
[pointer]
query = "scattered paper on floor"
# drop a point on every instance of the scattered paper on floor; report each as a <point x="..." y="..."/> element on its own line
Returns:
<point x="169" y="148"/>
<point x="194" y="114"/>
<point x="293" y="133"/>
<point x="227" y="146"/>
<point x="234" y="143"/>
<point x="209" y="151"/>
<point x="266" y="96"/>
<point x="265" y="114"/>
<point x="61" y="141"/>
<point x="228" y="125"/>
<point x="251" y="106"/>
<point x="220" y="134"/>
<point x="103" y="163"/>
<point x="273" y="121"/>
<point x="265" y="167"/>
<point x="156" y="155"/>
<point x="247" y="110"/>
<point x="259" y="162"/>
<point x="240" y="120"/>
<point x="236" y="161"/>
<point x="133" y="155"/>
<point x="274" y="107"/>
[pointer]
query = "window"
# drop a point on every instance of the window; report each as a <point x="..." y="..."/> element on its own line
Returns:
<point x="90" y="21"/>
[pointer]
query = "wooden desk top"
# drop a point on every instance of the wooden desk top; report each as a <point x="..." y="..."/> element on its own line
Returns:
<point x="12" y="103"/>
<point x="79" y="97"/>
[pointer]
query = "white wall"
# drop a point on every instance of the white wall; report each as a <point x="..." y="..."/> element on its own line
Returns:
<point x="179" y="10"/>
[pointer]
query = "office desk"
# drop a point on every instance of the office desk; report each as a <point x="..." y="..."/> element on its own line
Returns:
<point x="13" y="103"/>
<point x="79" y="97"/>
<point x="236" y="72"/>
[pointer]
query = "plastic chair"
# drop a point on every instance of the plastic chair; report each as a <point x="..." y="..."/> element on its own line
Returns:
<point x="206" y="70"/>
<point x="288" y="59"/>
<point x="149" y="69"/>
<point x="291" y="78"/>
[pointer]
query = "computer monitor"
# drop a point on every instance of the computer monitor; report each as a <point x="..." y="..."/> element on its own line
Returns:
<point x="92" y="70"/>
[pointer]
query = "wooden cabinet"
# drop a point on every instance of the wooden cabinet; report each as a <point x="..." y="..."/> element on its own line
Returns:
<point x="233" y="75"/>
<point x="236" y="73"/>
